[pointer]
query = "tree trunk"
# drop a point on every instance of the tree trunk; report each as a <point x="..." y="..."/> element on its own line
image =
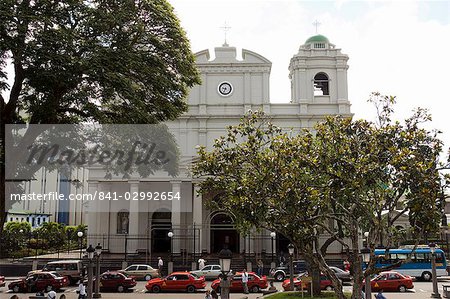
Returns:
<point x="337" y="283"/>
<point x="314" y="270"/>
<point x="357" y="277"/>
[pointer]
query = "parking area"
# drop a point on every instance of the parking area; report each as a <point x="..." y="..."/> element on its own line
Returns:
<point x="421" y="290"/>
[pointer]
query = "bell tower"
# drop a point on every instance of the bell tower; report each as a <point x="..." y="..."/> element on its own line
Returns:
<point x="318" y="74"/>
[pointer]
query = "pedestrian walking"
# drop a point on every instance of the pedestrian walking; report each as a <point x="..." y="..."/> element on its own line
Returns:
<point x="260" y="266"/>
<point x="51" y="295"/>
<point x="160" y="265"/>
<point x="245" y="281"/>
<point x="201" y="263"/>
<point x="214" y="295"/>
<point x="380" y="295"/>
<point x="81" y="290"/>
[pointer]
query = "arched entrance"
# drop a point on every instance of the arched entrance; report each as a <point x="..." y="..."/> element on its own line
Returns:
<point x="282" y="251"/>
<point x="223" y="232"/>
<point x="161" y="225"/>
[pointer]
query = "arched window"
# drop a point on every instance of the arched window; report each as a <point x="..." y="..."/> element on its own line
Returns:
<point x="123" y="222"/>
<point x="321" y="84"/>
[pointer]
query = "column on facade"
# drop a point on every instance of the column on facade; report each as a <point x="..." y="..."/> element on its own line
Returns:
<point x="176" y="216"/>
<point x="133" y="224"/>
<point x="197" y="218"/>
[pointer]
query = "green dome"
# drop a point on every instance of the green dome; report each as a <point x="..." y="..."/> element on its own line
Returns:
<point x="317" y="38"/>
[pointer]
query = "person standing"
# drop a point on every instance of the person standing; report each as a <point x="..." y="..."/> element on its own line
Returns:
<point x="347" y="265"/>
<point x="81" y="290"/>
<point x="201" y="263"/>
<point x="260" y="266"/>
<point x="160" y="265"/>
<point x="245" y="281"/>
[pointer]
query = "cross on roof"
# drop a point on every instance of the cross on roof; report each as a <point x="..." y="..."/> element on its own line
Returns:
<point x="225" y="29"/>
<point x="316" y="24"/>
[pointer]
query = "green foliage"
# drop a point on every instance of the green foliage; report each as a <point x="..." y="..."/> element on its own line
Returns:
<point x="108" y="61"/>
<point x="353" y="173"/>
<point x="125" y="62"/>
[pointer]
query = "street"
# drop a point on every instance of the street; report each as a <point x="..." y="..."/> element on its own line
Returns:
<point x="421" y="290"/>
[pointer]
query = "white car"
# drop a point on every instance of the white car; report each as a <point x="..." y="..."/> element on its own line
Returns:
<point x="210" y="271"/>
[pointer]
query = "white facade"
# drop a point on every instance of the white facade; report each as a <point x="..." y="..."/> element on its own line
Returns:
<point x="34" y="219"/>
<point x="229" y="88"/>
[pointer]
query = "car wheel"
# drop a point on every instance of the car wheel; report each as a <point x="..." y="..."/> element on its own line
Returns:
<point x="190" y="289"/>
<point x="16" y="289"/>
<point x="48" y="288"/>
<point x="218" y="290"/>
<point x="426" y="276"/>
<point x="120" y="289"/>
<point x="402" y="289"/>
<point x="254" y="289"/>
<point x="329" y="288"/>
<point x="279" y="276"/>
<point x="147" y="277"/>
<point x="156" y="289"/>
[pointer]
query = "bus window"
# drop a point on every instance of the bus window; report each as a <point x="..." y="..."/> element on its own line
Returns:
<point x="420" y="257"/>
<point x="439" y="258"/>
<point x="393" y="258"/>
<point x="402" y="256"/>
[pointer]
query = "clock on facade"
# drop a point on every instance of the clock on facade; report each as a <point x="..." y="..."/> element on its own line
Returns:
<point x="225" y="89"/>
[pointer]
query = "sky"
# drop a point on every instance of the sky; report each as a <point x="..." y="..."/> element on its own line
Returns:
<point x="399" y="48"/>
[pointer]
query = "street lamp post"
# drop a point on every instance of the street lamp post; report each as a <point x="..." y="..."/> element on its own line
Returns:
<point x="80" y="242"/>
<point x="291" y="266"/>
<point x="225" y="256"/>
<point x="170" y="235"/>
<point x="272" y="236"/>
<point x="365" y="253"/>
<point x="435" y="293"/>
<point x="90" y="255"/>
<point x="98" y="252"/>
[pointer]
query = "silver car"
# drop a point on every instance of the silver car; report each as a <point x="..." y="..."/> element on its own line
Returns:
<point x="210" y="271"/>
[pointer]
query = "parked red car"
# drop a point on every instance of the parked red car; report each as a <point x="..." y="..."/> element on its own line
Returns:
<point x="2" y="281"/>
<point x="255" y="283"/>
<point x="177" y="281"/>
<point x="42" y="281"/>
<point x="116" y="281"/>
<point x="391" y="281"/>
<point x="325" y="283"/>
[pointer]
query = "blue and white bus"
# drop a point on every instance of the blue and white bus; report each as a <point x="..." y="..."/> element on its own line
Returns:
<point x="420" y="264"/>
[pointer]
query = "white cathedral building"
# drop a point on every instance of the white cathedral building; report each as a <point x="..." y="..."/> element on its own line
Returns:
<point x="230" y="87"/>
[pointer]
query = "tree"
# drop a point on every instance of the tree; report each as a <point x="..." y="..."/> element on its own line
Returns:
<point x="348" y="172"/>
<point x="373" y="170"/>
<point x="259" y="174"/>
<point x="15" y="237"/>
<point x="90" y="61"/>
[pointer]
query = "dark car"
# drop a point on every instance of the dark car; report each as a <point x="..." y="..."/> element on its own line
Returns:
<point x="255" y="283"/>
<point x="2" y="281"/>
<point x="42" y="281"/>
<point x="115" y="281"/>
<point x="281" y="272"/>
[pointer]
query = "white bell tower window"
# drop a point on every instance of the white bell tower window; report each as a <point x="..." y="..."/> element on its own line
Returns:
<point x="321" y="87"/>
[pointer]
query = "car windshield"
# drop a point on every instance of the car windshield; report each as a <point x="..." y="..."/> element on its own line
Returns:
<point x="56" y="274"/>
<point x="195" y="275"/>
